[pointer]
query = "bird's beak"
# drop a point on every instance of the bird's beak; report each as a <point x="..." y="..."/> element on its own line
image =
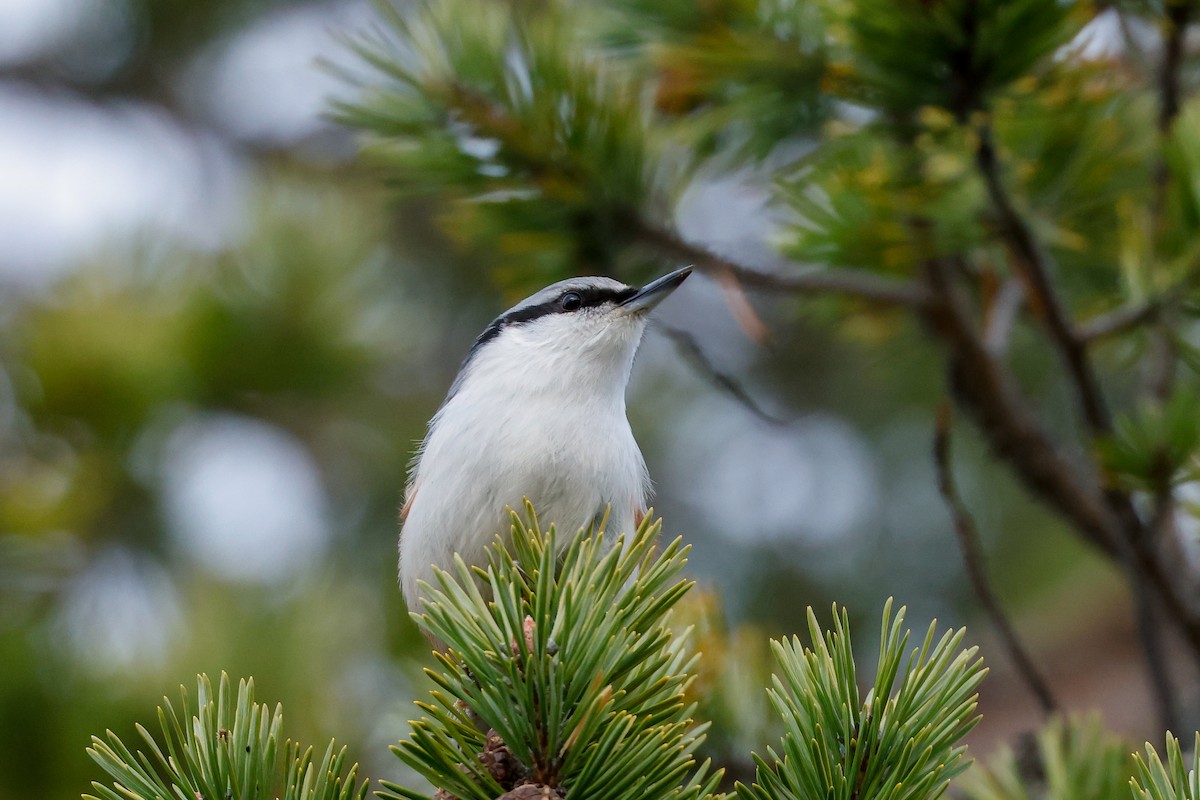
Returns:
<point x="655" y="292"/>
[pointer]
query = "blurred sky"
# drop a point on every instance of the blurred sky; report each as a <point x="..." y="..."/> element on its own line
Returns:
<point x="78" y="174"/>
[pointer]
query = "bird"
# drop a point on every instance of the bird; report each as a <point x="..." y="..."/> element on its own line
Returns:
<point x="536" y="411"/>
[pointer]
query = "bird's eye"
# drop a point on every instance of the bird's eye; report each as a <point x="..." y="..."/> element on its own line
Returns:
<point x="570" y="301"/>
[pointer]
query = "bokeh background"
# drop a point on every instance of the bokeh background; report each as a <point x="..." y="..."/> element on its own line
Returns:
<point x="220" y="337"/>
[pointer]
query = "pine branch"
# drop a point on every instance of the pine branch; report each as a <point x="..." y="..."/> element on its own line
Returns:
<point x="900" y="740"/>
<point x="1134" y="549"/>
<point x="857" y="284"/>
<point x="572" y="667"/>
<point x="229" y="750"/>
<point x="989" y="390"/>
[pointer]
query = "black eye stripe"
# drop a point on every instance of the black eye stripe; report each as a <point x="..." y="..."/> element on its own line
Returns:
<point x="591" y="297"/>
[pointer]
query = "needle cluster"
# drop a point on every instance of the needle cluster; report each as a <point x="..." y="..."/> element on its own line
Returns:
<point x="230" y="749"/>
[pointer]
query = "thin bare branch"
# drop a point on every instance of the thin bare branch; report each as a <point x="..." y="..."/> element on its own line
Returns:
<point x="691" y="351"/>
<point x="865" y="286"/>
<point x="1132" y="547"/>
<point x="967" y="535"/>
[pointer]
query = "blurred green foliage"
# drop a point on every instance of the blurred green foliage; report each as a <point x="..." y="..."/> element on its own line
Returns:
<point x="1069" y="759"/>
<point x="300" y="326"/>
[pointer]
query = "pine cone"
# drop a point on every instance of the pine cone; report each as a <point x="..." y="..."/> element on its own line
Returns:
<point x="498" y="760"/>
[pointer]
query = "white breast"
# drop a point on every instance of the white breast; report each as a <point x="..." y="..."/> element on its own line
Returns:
<point x="500" y="439"/>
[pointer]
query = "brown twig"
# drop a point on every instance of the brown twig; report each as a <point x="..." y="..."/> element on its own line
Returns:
<point x="967" y="535"/>
<point x="1107" y="520"/>
<point x="862" y="285"/>
<point x="1159" y="381"/>
<point x="1034" y="264"/>
<point x="987" y="388"/>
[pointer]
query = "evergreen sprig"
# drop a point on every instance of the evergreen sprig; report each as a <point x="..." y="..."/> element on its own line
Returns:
<point x="229" y="750"/>
<point x="856" y="196"/>
<point x="969" y="49"/>
<point x="741" y="77"/>
<point x="538" y="148"/>
<point x="1174" y="780"/>
<point x="567" y="657"/>
<point x="899" y="742"/>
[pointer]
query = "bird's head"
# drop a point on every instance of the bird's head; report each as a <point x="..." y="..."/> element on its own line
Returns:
<point x="577" y="329"/>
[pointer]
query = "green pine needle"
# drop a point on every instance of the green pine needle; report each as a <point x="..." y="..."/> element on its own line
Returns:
<point x="899" y="742"/>
<point x="566" y="654"/>
<point x="228" y="750"/>
<point x="1171" y="781"/>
